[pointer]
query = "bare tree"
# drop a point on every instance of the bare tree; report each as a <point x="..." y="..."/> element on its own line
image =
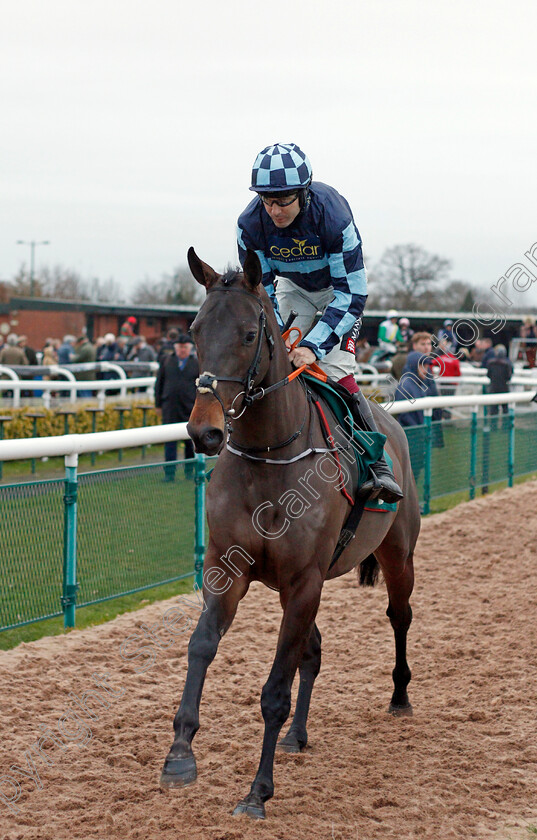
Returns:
<point x="183" y="288"/>
<point x="176" y="288"/>
<point x="63" y="284"/>
<point x="454" y="296"/>
<point x="107" y="291"/>
<point x="21" y="284"/>
<point x="406" y="272"/>
<point x="149" y="292"/>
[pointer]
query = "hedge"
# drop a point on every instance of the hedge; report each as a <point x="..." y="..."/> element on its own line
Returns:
<point x="80" y="423"/>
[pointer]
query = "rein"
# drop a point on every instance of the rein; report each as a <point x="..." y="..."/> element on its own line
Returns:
<point x="207" y="383"/>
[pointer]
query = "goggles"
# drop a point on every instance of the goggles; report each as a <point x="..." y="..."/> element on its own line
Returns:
<point x="279" y="202"/>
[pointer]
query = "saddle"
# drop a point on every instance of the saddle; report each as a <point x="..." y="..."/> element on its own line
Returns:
<point x="367" y="446"/>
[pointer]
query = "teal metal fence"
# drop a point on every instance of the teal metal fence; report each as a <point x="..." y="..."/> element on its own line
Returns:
<point x="65" y="544"/>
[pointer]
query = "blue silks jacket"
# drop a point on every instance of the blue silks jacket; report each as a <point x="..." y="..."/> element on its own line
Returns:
<point x="321" y="248"/>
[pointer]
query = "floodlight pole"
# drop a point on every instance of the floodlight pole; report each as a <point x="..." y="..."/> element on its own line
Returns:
<point x="32" y="245"/>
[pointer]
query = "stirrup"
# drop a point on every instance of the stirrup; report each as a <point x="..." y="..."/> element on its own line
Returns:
<point x="372" y="488"/>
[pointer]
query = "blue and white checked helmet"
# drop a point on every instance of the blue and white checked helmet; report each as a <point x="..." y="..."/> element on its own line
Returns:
<point x="281" y="168"/>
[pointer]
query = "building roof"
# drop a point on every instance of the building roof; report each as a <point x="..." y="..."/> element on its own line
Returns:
<point x="105" y="308"/>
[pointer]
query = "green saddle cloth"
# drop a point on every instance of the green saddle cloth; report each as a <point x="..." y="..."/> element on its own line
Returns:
<point x="371" y="443"/>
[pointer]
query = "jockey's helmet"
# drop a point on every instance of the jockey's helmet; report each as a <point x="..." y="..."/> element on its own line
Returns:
<point x="281" y="168"/>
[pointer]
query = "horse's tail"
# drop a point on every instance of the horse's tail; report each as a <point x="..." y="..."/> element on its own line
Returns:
<point x="368" y="571"/>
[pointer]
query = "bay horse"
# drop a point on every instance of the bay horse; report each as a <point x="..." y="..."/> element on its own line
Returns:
<point x="275" y="444"/>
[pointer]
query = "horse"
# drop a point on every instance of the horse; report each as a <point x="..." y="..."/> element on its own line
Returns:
<point x="261" y="528"/>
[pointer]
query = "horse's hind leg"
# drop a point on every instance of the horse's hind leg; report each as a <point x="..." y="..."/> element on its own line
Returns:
<point x="400" y="614"/>
<point x="310" y="665"/>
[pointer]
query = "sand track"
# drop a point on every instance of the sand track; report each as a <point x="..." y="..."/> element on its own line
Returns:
<point x="464" y="766"/>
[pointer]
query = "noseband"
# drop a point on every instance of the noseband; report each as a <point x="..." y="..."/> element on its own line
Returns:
<point x="207" y="382"/>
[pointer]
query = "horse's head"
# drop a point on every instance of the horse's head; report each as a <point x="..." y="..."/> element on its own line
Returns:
<point x="234" y="347"/>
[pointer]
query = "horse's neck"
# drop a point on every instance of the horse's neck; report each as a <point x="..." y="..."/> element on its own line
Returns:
<point x="277" y="416"/>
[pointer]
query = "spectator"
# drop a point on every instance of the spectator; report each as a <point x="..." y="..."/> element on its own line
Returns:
<point x="388" y="332"/>
<point x="66" y="351"/>
<point x="123" y="345"/>
<point x="100" y="345"/>
<point x="445" y="333"/>
<point x="85" y="352"/>
<point x="488" y="354"/>
<point x="29" y="352"/>
<point x="175" y="393"/>
<point x="127" y="329"/>
<point x="422" y="343"/>
<point x="407" y="336"/>
<point x="166" y="348"/>
<point x="529" y="330"/>
<point x="12" y="354"/>
<point x="110" y="352"/>
<point x="416" y="382"/>
<point x="31" y="357"/>
<point x="50" y="357"/>
<point x="404" y="331"/>
<point x="141" y="351"/>
<point x="448" y="365"/>
<point x="500" y="371"/>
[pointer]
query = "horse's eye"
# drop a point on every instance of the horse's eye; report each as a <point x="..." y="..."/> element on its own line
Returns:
<point x="249" y="338"/>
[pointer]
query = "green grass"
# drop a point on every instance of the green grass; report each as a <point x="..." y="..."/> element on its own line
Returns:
<point x="134" y="530"/>
<point x="13" y="471"/>
<point x="450" y="465"/>
<point x="453" y="499"/>
<point x="94" y="614"/>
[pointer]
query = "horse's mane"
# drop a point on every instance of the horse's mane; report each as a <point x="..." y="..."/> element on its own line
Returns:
<point x="231" y="275"/>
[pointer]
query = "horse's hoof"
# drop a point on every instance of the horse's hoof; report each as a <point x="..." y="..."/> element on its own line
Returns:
<point x="290" y="744"/>
<point x="178" y="772"/>
<point x="401" y="711"/>
<point x="254" y="809"/>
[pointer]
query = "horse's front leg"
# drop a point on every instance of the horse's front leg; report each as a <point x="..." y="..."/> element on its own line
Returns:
<point x="301" y="602"/>
<point x="180" y="765"/>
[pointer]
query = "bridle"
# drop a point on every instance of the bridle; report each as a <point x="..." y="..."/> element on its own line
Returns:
<point x="207" y="382"/>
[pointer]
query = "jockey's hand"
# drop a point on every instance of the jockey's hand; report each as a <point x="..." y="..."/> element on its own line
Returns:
<point x="302" y="356"/>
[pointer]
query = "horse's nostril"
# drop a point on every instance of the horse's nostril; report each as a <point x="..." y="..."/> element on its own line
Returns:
<point x="212" y="438"/>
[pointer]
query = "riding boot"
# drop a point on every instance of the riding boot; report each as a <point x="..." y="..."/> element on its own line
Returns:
<point x="382" y="483"/>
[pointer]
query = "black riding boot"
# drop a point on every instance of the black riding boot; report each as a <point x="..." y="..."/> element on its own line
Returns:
<point x="382" y="484"/>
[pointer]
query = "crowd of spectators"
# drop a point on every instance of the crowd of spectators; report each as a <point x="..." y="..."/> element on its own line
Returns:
<point x="15" y="350"/>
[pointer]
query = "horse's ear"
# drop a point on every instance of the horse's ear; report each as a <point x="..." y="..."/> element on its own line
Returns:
<point x="253" y="273"/>
<point x="203" y="273"/>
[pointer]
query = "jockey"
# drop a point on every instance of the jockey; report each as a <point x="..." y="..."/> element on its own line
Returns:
<point x="310" y="251"/>
<point x="389" y="332"/>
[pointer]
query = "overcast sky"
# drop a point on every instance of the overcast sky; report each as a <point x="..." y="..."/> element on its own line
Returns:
<point x="129" y="127"/>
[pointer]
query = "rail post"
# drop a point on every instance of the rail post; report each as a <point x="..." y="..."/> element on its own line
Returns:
<point x="428" y="417"/>
<point x="70" y="585"/>
<point x="511" y="446"/>
<point x="486" y="451"/>
<point x="199" y="547"/>
<point x="473" y="452"/>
